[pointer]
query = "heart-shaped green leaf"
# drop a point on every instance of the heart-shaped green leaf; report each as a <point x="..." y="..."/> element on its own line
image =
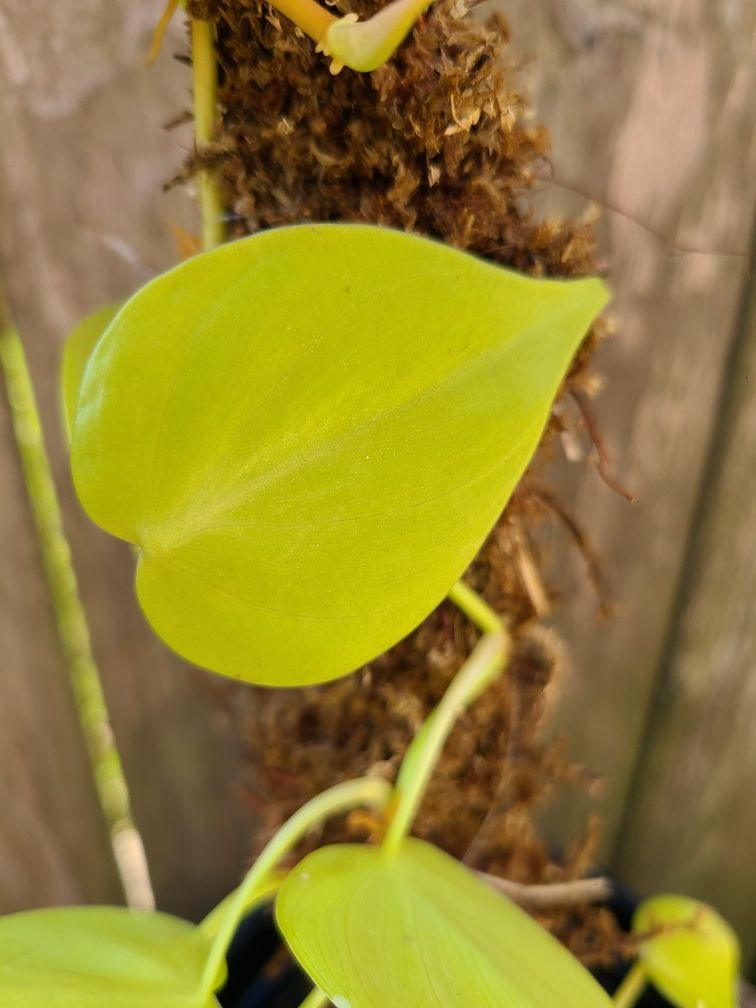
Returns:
<point x="76" y="352"/>
<point x="101" y="957"/>
<point x="416" y="929"/>
<point x="688" y="951"/>
<point x="309" y="433"/>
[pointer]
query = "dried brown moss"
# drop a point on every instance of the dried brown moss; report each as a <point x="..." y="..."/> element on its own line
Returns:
<point x="438" y="142"/>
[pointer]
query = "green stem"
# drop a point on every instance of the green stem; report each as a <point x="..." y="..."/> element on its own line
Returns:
<point x="371" y="791"/>
<point x="308" y="15"/>
<point x="485" y="662"/>
<point x="475" y="608"/>
<point x="631" y="987"/>
<point x="315" y="999"/>
<point x="214" y="921"/>
<point x="205" y="77"/>
<point x="110" y="781"/>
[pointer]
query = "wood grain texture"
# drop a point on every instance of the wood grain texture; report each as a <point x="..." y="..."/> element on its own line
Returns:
<point x="82" y="165"/>
<point x="54" y="846"/>
<point x="690" y="825"/>
<point x="650" y="109"/>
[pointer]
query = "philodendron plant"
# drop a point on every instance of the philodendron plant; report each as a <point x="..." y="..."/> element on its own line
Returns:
<point x="307" y="435"/>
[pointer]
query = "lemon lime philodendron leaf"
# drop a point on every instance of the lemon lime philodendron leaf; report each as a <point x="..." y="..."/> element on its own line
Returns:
<point x="76" y="352"/>
<point x="689" y="952"/>
<point x="418" y="930"/>
<point x="309" y="433"/>
<point x="91" y="957"/>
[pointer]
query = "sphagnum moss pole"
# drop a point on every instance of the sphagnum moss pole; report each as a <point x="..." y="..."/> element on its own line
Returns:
<point x="486" y="661"/>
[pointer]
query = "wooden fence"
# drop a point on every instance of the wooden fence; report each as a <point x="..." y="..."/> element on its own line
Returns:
<point x="650" y="105"/>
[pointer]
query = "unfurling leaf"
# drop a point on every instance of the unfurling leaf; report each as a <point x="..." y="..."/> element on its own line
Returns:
<point x="689" y="952"/>
<point x="310" y="432"/>
<point x="76" y="352"/>
<point x="366" y="45"/>
<point x="92" y="957"/>
<point x="418" y="930"/>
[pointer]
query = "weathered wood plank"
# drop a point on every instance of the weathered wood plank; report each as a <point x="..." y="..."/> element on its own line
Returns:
<point x="82" y="164"/>
<point x="691" y="824"/>
<point x="650" y="108"/>
<point x="54" y="846"/>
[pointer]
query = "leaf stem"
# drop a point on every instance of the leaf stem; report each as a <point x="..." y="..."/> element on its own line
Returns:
<point x="315" y="999"/>
<point x="308" y="15"/>
<point x="477" y="610"/>
<point x="70" y="617"/>
<point x="371" y="791"/>
<point x="205" y="79"/>
<point x="632" y="986"/>
<point x="485" y="662"/>
<point x="212" y="923"/>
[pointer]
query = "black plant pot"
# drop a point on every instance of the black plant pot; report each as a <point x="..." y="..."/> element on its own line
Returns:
<point x="261" y="974"/>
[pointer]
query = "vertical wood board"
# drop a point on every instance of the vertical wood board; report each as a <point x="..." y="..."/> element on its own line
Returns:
<point x="691" y="823"/>
<point x="84" y="222"/>
<point x="650" y="106"/>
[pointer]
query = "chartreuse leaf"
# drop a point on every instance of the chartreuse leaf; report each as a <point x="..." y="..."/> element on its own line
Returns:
<point x="101" y="956"/>
<point x="688" y="951"/>
<point x="416" y="929"/>
<point x="309" y="433"/>
<point x="76" y="352"/>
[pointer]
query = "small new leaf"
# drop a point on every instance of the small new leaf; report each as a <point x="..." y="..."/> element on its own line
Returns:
<point x="416" y="929"/>
<point x="689" y="952"/>
<point x="309" y="433"/>
<point x="89" y="957"/>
